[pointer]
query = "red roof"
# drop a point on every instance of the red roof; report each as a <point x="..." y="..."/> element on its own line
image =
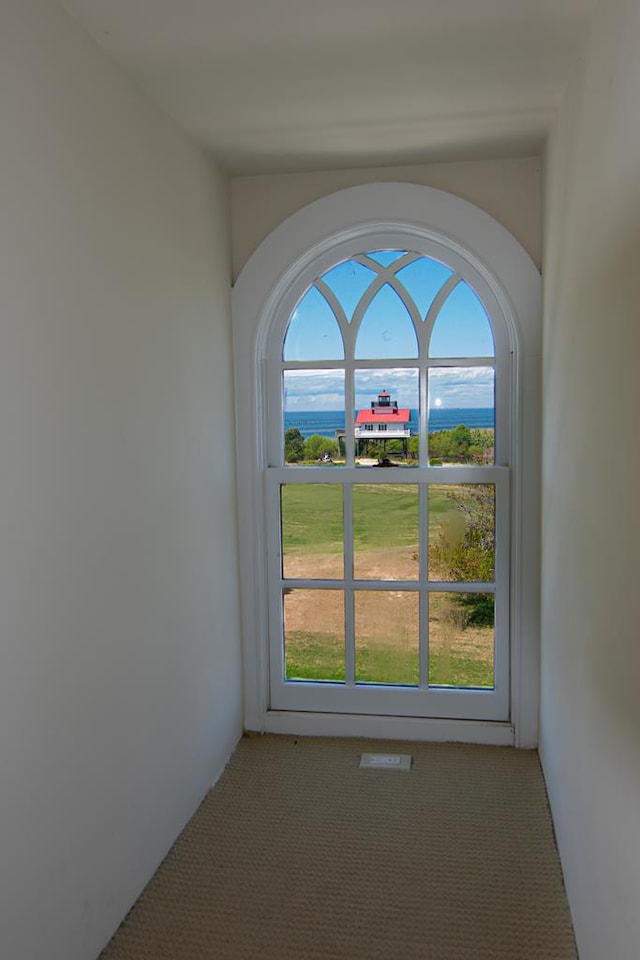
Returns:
<point x="384" y="394"/>
<point x="368" y="416"/>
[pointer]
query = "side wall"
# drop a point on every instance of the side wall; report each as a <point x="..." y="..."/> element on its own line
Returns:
<point x="119" y="655"/>
<point x="509" y="190"/>
<point x="590" y="708"/>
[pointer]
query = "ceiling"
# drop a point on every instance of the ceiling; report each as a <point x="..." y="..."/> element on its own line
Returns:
<point x="285" y="85"/>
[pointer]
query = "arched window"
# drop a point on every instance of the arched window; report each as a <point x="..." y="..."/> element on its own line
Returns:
<point x="386" y="372"/>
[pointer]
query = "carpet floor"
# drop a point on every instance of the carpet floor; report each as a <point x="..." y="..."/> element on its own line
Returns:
<point x="297" y="854"/>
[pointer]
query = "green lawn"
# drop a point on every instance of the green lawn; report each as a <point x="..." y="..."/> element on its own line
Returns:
<point x="320" y="656"/>
<point x="383" y="514"/>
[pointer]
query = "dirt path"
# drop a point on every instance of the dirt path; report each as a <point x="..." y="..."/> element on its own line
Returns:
<point x="386" y="618"/>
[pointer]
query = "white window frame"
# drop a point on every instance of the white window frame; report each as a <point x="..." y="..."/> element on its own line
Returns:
<point x="403" y="216"/>
<point x="387" y="699"/>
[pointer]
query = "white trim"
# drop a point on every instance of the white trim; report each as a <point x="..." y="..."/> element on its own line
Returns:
<point x="508" y="282"/>
<point x="388" y="728"/>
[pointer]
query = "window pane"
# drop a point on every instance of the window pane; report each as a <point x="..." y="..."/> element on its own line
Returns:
<point x="387" y="630"/>
<point x="386" y="416"/>
<point x="386" y="540"/>
<point x="462" y="532"/>
<point x="312" y="546"/>
<point x="313" y="332"/>
<point x="349" y="281"/>
<point x="386" y="257"/>
<point x="461" y="639"/>
<point x="314" y="635"/>
<point x="462" y="328"/>
<point x="386" y="330"/>
<point x="461" y="415"/>
<point x="423" y="279"/>
<point x="313" y="416"/>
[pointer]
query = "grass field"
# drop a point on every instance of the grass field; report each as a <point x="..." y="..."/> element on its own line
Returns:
<point x="386" y="547"/>
<point x="319" y="656"/>
<point x="383" y="513"/>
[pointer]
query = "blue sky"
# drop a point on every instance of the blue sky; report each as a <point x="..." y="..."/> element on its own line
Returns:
<point x="461" y="329"/>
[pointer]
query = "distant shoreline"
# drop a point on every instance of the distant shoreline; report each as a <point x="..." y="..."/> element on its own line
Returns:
<point x="324" y="423"/>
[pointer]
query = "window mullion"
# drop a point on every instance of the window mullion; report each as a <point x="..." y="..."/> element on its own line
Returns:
<point x="423" y="635"/>
<point x="423" y="427"/>
<point x="349" y="612"/>
<point x="349" y="399"/>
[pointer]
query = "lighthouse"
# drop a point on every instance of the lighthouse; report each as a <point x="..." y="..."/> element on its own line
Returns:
<point x="383" y="421"/>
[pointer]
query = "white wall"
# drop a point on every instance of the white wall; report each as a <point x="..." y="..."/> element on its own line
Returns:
<point x="590" y="731"/>
<point x="509" y="190"/>
<point x="119" y="636"/>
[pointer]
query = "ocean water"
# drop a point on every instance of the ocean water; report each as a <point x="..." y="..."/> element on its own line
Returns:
<point x="326" y="422"/>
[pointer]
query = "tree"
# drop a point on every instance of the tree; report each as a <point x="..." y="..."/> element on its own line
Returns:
<point x="293" y="445"/>
<point x="470" y="556"/>
<point x="460" y="442"/>
<point x="439" y="444"/>
<point x="316" y="446"/>
<point x="482" y="442"/>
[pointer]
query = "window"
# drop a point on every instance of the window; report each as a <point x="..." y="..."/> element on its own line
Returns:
<point x="370" y="341"/>
<point x="392" y="590"/>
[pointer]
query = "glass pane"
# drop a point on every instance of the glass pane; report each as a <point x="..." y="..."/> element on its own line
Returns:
<point x="387" y="630"/>
<point x="386" y="417"/>
<point x="423" y="279"/>
<point x="313" y="332"/>
<point x="461" y="639"/>
<point x="461" y="415"/>
<point x="462" y="328"/>
<point x="314" y="635"/>
<point x="313" y="416"/>
<point x="462" y="529"/>
<point x="386" y="257"/>
<point x="349" y="281"/>
<point x="311" y="519"/>
<point x="386" y="543"/>
<point x="386" y="330"/>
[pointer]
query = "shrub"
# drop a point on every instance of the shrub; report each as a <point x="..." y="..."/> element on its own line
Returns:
<point x="293" y="445"/>
<point x="317" y="446"/>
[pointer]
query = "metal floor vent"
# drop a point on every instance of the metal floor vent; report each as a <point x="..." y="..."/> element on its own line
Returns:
<point x="386" y="761"/>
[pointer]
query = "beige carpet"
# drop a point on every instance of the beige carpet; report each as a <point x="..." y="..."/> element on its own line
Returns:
<point x="297" y="854"/>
